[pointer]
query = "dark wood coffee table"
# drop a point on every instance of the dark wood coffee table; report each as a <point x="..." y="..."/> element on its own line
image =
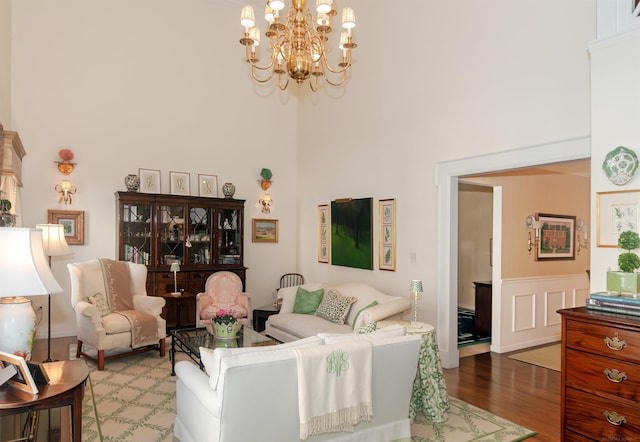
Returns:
<point x="189" y="341"/>
<point x="65" y="388"/>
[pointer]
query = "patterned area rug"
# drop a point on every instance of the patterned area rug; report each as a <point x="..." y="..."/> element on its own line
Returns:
<point x="134" y="399"/>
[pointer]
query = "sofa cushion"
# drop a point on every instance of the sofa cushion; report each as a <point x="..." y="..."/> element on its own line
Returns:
<point x="288" y="295"/>
<point x="305" y="325"/>
<point x="114" y="323"/>
<point x="212" y="359"/>
<point x="307" y="302"/>
<point x="335" y="307"/>
<point x="355" y="319"/>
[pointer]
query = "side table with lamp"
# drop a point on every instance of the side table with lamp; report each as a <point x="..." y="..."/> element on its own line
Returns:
<point x="429" y="395"/>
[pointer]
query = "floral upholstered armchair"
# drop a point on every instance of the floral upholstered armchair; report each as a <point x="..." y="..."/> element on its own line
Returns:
<point x="223" y="290"/>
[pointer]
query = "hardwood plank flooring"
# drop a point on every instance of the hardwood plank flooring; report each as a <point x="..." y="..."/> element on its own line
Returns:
<point x="522" y="393"/>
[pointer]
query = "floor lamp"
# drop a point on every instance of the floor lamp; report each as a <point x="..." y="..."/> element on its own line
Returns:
<point x="23" y="272"/>
<point x="54" y="245"/>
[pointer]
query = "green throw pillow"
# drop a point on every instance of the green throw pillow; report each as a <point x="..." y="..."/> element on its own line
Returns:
<point x="99" y="301"/>
<point x="335" y="307"/>
<point x="307" y="302"/>
<point x="368" y="328"/>
<point x="372" y="304"/>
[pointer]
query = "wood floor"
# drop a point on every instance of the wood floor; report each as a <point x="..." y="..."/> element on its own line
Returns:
<point x="522" y="393"/>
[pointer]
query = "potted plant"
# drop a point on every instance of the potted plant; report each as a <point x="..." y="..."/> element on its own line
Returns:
<point x="626" y="280"/>
<point x="7" y="219"/>
<point x="266" y="178"/>
<point x="225" y="324"/>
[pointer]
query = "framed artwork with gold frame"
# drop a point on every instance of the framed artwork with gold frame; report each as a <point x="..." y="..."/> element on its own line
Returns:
<point x="73" y="222"/>
<point x="264" y="230"/>
<point x="387" y="234"/>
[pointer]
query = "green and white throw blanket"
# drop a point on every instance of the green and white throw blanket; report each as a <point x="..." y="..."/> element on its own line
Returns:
<point x="334" y="387"/>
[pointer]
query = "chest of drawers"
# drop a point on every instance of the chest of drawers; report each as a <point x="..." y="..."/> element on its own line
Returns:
<point x="600" y="376"/>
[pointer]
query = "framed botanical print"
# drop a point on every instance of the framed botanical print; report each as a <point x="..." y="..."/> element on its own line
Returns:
<point x="323" y="233"/>
<point x="208" y="185"/>
<point x="387" y="234"/>
<point x="149" y="180"/>
<point x="180" y="184"/>
<point x="616" y="212"/>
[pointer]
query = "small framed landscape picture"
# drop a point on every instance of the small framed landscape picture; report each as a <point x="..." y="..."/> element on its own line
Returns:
<point x="180" y="184"/>
<point x="208" y="185"/>
<point x="22" y="379"/>
<point x="265" y="230"/>
<point x="73" y="222"/>
<point x="149" y="180"/>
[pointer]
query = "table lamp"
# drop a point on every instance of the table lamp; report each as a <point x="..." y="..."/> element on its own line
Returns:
<point x="415" y="288"/>
<point x="54" y="245"/>
<point x="23" y="272"/>
<point x="175" y="268"/>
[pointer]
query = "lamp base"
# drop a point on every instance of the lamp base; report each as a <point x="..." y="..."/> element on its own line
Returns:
<point x="17" y="326"/>
<point x="176" y="294"/>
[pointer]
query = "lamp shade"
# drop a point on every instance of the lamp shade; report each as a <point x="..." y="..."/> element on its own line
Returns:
<point x="53" y="240"/>
<point x="415" y="286"/>
<point x="23" y="266"/>
<point x="175" y="267"/>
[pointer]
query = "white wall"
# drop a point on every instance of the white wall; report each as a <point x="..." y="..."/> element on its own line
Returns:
<point x="5" y="63"/>
<point x="433" y="81"/>
<point x="615" y="94"/>
<point x="157" y="84"/>
<point x="161" y="84"/>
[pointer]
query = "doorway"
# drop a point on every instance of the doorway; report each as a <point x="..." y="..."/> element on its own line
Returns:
<point x="447" y="175"/>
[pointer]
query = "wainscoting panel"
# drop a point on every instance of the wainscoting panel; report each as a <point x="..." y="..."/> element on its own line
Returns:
<point x="527" y="309"/>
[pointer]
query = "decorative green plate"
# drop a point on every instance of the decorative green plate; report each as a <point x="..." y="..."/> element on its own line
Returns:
<point x="620" y="165"/>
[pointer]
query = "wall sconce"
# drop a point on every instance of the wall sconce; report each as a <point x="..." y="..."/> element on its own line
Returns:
<point x="533" y="223"/>
<point x="584" y="241"/>
<point x="66" y="189"/>
<point x="265" y="203"/>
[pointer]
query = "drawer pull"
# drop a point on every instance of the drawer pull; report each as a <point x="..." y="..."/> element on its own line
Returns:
<point x="614" y="418"/>
<point x="614" y="375"/>
<point x="615" y="343"/>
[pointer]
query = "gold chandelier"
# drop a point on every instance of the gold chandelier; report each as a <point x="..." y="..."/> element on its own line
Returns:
<point x="297" y="44"/>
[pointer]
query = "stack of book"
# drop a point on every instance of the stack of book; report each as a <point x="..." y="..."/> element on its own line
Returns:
<point x="626" y="304"/>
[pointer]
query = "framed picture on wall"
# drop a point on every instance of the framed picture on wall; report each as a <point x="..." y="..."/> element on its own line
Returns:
<point x="265" y="230"/>
<point x="149" y="180"/>
<point x="73" y="222"/>
<point x="180" y="184"/>
<point x="387" y="234"/>
<point x="557" y="237"/>
<point x="323" y="233"/>
<point x="208" y="185"/>
<point x="616" y="212"/>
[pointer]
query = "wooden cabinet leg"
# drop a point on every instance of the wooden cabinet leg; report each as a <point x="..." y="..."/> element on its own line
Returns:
<point x="162" y="347"/>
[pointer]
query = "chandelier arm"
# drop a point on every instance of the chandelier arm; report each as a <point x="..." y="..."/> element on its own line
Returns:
<point x="282" y="87"/>
<point x="256" y="78"/>
<point x="340" y="83"/>
<point x="325" y="63"/>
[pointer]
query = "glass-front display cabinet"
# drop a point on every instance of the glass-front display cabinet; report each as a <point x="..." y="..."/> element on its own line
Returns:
<point x="202" y="235"/>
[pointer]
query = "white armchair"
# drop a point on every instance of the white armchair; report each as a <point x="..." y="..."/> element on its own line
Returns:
<point x="110" y="331"/>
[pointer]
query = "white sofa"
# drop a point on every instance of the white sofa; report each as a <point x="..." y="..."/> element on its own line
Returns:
<point x="287" y="326"/>
<point x="256" y="392"/>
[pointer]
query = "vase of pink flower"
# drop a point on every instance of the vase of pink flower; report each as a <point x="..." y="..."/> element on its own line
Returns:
<point x="225" y="324"/>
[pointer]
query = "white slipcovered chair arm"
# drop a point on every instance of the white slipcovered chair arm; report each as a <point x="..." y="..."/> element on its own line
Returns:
<point x="383" y="311"/>
<point x="197" y="381"/>
<point x="149" y="304"/>
<point x="90" y="311"/>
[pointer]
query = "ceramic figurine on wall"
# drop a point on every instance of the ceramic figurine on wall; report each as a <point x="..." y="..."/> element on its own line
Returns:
<point x="620" y="165"/>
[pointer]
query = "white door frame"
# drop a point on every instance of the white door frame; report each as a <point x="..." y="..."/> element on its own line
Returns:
<point x="447" y="173"/>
